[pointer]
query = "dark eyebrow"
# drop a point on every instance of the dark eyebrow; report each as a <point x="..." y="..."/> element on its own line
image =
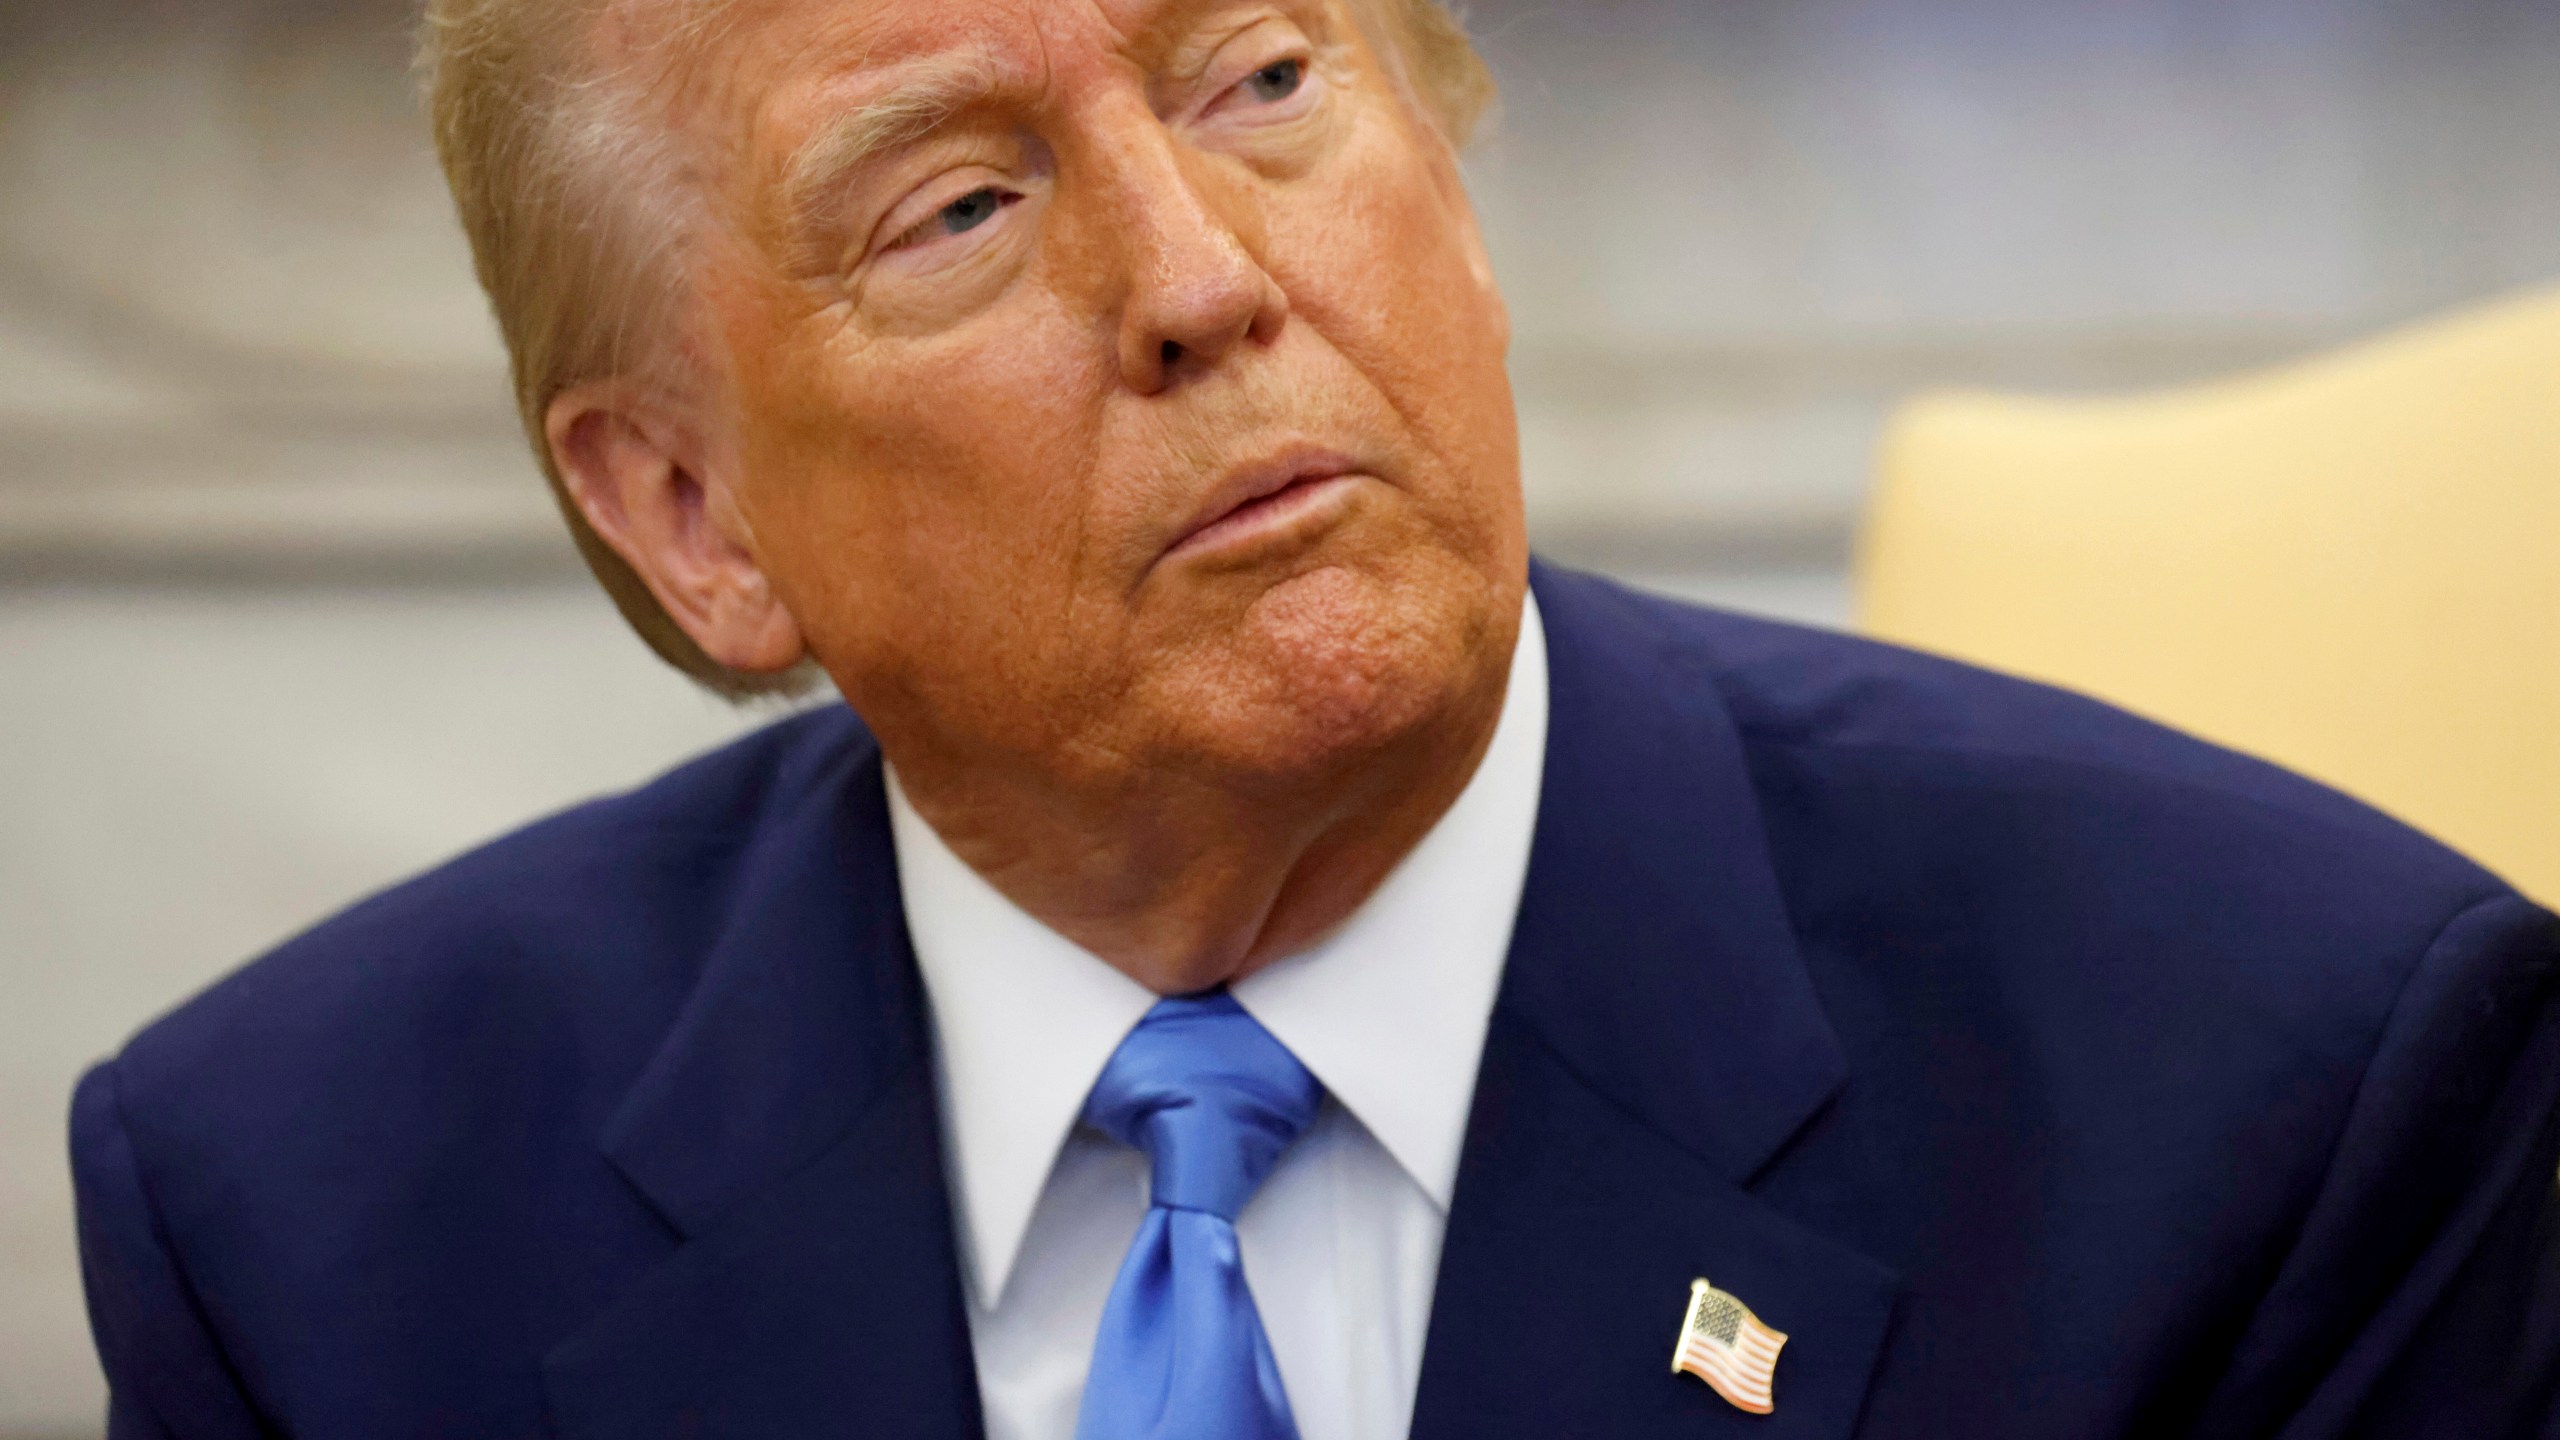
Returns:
<point x="921" y="100"/>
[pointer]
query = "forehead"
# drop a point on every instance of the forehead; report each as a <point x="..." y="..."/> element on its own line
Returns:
<point x="761" y="43"/>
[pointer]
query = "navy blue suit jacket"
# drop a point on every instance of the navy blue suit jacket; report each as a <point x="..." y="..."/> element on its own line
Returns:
<point x="2041" y="1073"/>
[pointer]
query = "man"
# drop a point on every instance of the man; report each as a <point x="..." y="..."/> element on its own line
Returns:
<point x="1107" y="395"/>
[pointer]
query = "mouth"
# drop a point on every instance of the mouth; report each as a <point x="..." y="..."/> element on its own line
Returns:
<point x="1266" y="502"/>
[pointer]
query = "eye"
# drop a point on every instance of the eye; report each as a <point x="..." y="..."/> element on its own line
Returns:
<point x="1277" y="81"/>
<point x="957" y="218"/>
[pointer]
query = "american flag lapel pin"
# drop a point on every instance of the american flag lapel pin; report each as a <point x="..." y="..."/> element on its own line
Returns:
<point x="1724" y="1344"/>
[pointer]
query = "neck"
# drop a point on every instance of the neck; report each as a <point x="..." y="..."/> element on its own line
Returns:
<point x="1183" y="885"/>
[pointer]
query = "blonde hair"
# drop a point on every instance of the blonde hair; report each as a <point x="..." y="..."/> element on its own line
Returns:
<point x="578" y="213"/>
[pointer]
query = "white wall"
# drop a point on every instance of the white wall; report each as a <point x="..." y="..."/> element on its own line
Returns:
<point x="1735" y="231"/>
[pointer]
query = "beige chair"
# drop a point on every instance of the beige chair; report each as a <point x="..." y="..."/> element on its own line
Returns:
<point x="2350" y="566"/>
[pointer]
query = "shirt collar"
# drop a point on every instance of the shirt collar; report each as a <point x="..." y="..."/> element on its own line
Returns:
<point x="1389" y="1010"/>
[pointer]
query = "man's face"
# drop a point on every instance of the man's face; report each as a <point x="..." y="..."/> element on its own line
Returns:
<point x="1116" y="383"/>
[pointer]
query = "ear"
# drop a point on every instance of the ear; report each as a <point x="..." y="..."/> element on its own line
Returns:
<point x="651" y="489"/>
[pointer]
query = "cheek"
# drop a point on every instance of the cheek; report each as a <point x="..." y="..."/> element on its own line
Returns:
<point x="1381" y="219"/>
<point x="913" y="498"/>
<point x="1381" y="265"/>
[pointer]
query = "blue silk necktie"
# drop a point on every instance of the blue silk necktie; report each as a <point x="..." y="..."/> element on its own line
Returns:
<point x="1213" y="1100"/>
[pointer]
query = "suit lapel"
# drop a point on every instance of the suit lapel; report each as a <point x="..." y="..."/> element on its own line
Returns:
<point x="787" y="1132"/>
<point x="1656" y="1043"/>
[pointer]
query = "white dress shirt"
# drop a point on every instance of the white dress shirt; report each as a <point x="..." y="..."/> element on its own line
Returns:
<point x="1342" y="1243"/>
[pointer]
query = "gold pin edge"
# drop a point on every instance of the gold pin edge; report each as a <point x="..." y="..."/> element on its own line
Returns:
<point x="1697" y="1287"/>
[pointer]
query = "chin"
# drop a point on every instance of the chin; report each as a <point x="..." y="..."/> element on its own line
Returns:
<point x="1334" y="668"/>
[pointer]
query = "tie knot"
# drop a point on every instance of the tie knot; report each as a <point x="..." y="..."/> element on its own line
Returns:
<point x="1210" y="1097"/>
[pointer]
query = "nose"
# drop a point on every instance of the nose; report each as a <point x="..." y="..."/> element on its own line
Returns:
<point x="1195" y="290"/>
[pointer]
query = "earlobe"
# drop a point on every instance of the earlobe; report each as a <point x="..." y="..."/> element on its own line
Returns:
<point x="652" y="491"/>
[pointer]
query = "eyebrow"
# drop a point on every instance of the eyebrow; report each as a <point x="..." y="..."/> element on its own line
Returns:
<point x="923" y="99"/>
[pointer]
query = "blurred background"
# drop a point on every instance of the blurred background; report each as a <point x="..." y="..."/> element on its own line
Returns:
<point x="285" y="614"/>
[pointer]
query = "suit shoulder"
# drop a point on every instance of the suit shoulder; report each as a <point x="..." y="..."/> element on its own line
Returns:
<point x="591" y="920"/>
<point x="2010" y="857"/>
<point x="1821" y="704"/>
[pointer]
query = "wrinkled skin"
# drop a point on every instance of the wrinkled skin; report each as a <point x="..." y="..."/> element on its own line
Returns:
<point x="983" y="385"/>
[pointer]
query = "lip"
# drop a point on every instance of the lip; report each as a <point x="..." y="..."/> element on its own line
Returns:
<point x="1259" y="497"/>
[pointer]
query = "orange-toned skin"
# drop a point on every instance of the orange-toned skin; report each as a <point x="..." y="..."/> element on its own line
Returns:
<point x="979" y="397"/>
